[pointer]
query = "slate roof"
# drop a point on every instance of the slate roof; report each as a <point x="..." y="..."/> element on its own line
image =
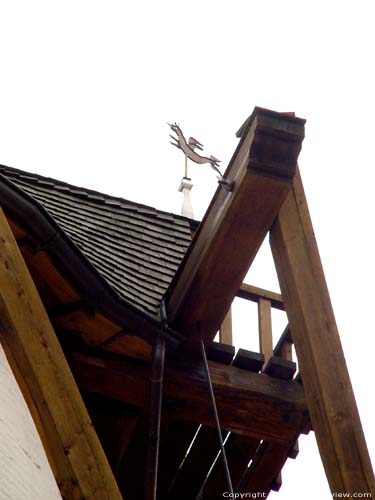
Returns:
<point x="136" y="248"/>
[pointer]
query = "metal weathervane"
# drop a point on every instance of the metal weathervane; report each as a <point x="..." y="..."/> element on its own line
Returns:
<point x="189" y="148"/>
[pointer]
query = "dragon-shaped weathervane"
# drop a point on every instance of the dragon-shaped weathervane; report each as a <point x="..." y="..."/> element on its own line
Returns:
<point x="189" y="148"/>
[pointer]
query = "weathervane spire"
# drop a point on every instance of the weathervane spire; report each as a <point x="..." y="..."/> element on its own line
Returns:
<point x="189" y="148"/>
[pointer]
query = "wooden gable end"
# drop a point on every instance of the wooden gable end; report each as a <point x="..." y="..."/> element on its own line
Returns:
<point x="51" y="323"/>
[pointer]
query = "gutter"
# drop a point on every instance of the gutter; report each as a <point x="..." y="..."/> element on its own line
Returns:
<point x="33" y="217"/>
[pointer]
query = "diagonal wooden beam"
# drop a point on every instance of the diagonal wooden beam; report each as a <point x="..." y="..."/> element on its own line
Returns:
<point x="72" y="446"/>
<point x="322" y="364"/>
<point x="275" y="408"/>
<point x="236" y="223"/>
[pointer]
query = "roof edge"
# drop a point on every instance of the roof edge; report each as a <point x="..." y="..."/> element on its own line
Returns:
<point x="193" y="223"/>
<point x="77" y="268"/>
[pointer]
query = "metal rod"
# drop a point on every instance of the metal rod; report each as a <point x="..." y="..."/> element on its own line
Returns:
<point x="186" y="166"/>
<point x="218" y="428"/>
<point x="155" y="403"/>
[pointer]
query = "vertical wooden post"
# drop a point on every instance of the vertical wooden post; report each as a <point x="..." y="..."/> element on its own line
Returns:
<point x="225" y="334"/>
<point x="34" y="353"/>
<point x="265" y="328"/>
<point x="322" y="364"/>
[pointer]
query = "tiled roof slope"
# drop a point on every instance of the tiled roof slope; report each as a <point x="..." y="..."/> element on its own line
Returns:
<point x="137" y="249"/>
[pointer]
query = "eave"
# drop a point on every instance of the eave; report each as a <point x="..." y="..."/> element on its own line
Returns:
<point x="70" y="262"/>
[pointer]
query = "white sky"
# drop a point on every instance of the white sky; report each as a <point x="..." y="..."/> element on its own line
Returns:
<point x="87" y="87"/>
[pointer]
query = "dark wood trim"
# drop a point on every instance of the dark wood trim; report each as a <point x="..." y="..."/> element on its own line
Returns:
<point x="275" y="408"/>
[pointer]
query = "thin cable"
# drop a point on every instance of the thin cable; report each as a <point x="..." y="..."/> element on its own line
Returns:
<point x="218" y="428"/>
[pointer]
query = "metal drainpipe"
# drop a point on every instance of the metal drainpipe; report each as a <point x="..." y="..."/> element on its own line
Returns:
<point x="155" y="403"/>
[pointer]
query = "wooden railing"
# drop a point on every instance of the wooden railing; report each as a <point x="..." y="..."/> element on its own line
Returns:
<point x="266" y="300"/>
<point x="275" y="361"/>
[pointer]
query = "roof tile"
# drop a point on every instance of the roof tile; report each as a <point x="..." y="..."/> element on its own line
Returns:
<point x="137" y="249"/>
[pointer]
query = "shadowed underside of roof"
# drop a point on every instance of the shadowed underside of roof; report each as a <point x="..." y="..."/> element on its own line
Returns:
<point x="137" y="249"/>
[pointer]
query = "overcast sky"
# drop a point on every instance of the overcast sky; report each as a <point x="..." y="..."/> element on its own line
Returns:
<point x="87" y="87"/>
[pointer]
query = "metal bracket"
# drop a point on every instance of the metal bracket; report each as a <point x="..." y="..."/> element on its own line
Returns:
<point x="225" y="184"/>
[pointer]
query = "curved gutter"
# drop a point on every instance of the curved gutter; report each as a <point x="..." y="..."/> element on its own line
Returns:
<point x="33" y="217"/>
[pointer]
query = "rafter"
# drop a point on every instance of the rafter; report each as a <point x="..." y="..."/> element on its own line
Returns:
<point x="236" y="223"/>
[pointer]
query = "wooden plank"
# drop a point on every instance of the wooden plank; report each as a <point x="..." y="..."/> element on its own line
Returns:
<point x="194" y="470"/>
<point x="38" y="359"/>
<point x="265" y="328"/>
<point x="248" y="360"/>
<point x="222" y="353"/>
<point x="321" y="360"/>
<point x="239" y="451"/>
<point x="254" y="293"/>
<point x="226" y="334"/>
<point x="280" y="368"/>
<point x="275" y="408"/>
<point x="174" y="446"/>
<point x="235" y="225"/>
<point x="277" y="482"/>
<point x="283" y="348"/>
<point x="263" y="473"/>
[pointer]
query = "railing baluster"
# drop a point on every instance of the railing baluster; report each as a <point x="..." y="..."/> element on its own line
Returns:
<point x="225" y="333"/>
<point x="265" y="328"/>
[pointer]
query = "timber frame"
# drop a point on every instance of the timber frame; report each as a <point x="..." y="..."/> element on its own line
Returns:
<point x="119" y="394"/>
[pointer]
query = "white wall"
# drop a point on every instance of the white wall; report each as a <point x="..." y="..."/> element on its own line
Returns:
<point x="25" y="473"/>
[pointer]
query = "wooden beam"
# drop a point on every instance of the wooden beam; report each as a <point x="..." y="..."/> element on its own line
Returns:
<point x="173" y="450"/>
<point x="235" y="224"/>
<point x="264" y="469"/>
<point x="239" y="451"/>
<point x="194" y="469"/>
<point x="283" y="348"/>
<point x="222" y="353"/>
<point x="265" y="328"/>
<point x="321" y="360"/>
<point x="225" y="334"/>
<point x="275" y="408"/>
<point x="255" y="293"/>
<point x="280" y="368"/>
<point x="34" y="353"/>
